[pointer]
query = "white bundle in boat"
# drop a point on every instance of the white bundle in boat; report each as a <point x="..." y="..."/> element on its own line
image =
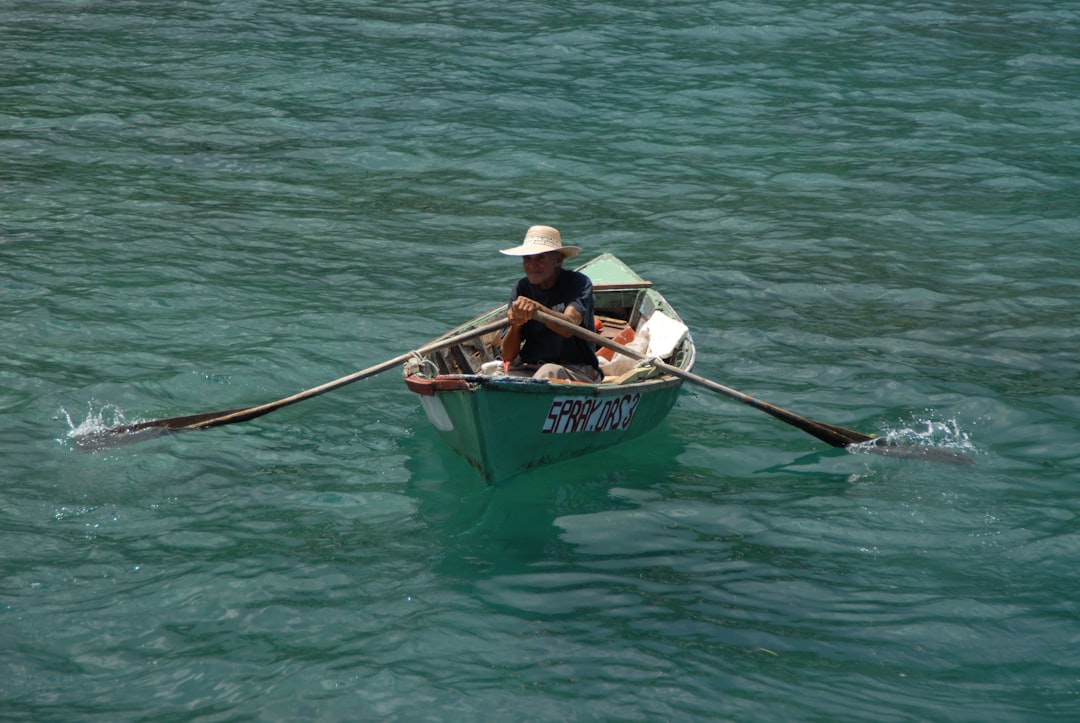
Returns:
<point x="657" y="338"/>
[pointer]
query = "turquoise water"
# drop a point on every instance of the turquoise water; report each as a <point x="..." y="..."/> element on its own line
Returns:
<point x="866" y="212"/>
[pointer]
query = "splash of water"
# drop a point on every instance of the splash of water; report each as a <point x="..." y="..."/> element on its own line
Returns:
<point x="945" y="434"/>
<point x="95" y="431"/>
<point x="932" y="439"/>
<point x="98" y="419"/>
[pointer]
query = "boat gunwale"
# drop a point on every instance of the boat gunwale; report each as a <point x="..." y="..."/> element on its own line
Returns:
<point x="528" y="385"/>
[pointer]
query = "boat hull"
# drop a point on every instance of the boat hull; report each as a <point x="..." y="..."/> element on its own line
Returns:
<point x="504" y="426"/>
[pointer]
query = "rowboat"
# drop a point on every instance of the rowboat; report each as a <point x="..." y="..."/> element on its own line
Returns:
<point x="504" y="425"/>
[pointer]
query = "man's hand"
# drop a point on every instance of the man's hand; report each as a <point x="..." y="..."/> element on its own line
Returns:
<point x="523" y="309"/>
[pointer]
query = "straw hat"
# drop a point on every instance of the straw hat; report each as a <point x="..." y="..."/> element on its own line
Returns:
<point x="540" y="240"/>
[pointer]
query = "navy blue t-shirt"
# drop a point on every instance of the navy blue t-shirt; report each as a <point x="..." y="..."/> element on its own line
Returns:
<point x="540" y="344"/>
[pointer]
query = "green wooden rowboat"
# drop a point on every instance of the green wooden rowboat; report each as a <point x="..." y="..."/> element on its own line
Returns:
<point x="505" y="425"/>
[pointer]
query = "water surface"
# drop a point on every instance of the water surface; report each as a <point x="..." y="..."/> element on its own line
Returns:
<point x="866" y="213"/>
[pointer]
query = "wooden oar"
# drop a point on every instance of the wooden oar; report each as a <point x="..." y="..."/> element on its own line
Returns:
<point x="829" y="433"/>
<point x="139" y="431"/>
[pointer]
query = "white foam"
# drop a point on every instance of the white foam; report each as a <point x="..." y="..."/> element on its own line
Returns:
<point x="945" y="434"/>
<point x="99" y="417"/>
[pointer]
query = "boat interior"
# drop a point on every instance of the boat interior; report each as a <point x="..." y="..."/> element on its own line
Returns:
<point x="620" y="310"/>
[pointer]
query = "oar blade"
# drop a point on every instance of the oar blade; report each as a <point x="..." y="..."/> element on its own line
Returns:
<point x="886" y="447"/>
<point x="116" y="437"/>
<point x="142" y="431"/>
<point x="832" y="434"/>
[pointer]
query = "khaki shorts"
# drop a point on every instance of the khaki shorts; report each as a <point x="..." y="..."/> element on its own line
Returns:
<point x="572" y="372"/>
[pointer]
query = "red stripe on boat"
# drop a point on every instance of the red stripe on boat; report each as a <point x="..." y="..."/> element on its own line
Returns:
<point x="428" y="387"/>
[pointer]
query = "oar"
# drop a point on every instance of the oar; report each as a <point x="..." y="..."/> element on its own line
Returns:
<point x="829" y="433"/>
<point x="139" y="431"/>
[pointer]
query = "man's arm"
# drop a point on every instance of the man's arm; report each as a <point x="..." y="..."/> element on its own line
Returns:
<point x="511" y="344"/>
<point x="522" y="310"/>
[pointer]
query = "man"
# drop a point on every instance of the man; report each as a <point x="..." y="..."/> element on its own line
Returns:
<point x="531" y="347"/>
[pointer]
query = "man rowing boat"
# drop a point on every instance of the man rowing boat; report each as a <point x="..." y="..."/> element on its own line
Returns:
<point x="531" y="347"/>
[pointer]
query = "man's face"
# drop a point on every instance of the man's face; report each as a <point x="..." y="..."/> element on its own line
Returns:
<point x="542" y="269"/>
